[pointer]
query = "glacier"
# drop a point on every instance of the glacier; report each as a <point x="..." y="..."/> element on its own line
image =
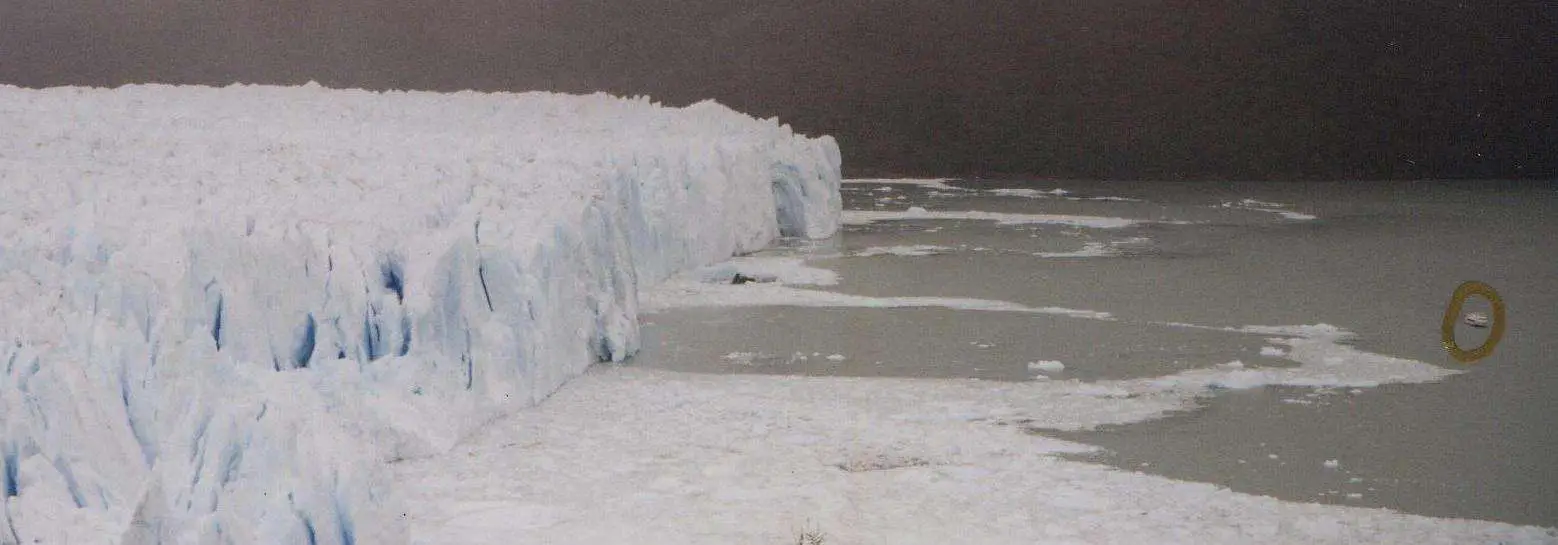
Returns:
<point x="226" y="310"/>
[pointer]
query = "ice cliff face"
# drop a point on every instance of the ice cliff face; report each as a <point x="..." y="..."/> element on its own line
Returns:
<point x="225" y="309"/>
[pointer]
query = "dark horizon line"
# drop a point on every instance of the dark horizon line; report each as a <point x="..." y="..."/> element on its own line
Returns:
<point x="1220" y="90"/>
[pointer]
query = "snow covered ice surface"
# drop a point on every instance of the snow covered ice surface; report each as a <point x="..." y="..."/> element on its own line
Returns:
<point x="226" y="308"/>
<point x="720" y="459"/>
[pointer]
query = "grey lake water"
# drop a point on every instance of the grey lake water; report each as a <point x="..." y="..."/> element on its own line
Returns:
<point x="1381" y="260"/>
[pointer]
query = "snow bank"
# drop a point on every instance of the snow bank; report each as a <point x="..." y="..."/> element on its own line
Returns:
<point x="226" y="308"/>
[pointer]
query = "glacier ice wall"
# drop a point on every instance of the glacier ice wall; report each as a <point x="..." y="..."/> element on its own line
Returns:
<point x="226" y="309"/>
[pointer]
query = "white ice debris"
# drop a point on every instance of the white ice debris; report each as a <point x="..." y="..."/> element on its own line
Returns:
<point x="1325" y="360"/>
<point x="1047" y="366"/>
<point x="1272" y="207"/>
<point x="1090" y="249"/>
<point x="746" y="359"/>
<point x="906" y="251"/>
<point x="939" y="188"/>
<point x="684" y="292"/>
<point x="1272" y="352"/>
<point x="1295" y="216"/>
<point x="928" y="183"/>
<point x="836" y="357"/>
<point x="1332" y="464"/>
<point x="1477" y="319"/>
<point x="225" y="308"/>
<point x="1024" y="192"/>
<point x="864" y="217"/>
<point x="767" y="269"/>
<point x="1108" y="198"/>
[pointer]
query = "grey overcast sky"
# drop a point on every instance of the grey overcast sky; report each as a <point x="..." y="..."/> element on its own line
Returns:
<point x="1142" y="89"/>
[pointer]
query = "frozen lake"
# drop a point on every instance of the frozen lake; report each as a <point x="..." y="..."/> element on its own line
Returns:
<point x="1377" y="259"/>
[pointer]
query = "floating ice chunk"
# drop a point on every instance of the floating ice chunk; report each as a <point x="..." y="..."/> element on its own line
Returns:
<point x="1274" y="208"/>
<point x="1090" y="249"/>
<point x="1477" y="319"/>
<point x="1047" y="366"/>
<point x="866" y="217"/>
<point x="1107" y="198"/>
<point x="685" y="294"/>
<point x="929" y="183"/>
<point x="767" y="269"/>
<point x="1240" y="379"/>
<point x="1272" y="352"/>
<point x="1021" y="192"/>
<point x="1332" y="464"/>
<point x="906" y="251"/>
<point x="836" y="357"/>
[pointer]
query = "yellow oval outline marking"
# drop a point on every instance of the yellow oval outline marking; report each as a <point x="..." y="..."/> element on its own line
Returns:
<point x="1453" y="314"/>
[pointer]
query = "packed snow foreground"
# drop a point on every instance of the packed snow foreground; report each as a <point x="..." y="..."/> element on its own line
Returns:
<point x="225" y="309"/>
